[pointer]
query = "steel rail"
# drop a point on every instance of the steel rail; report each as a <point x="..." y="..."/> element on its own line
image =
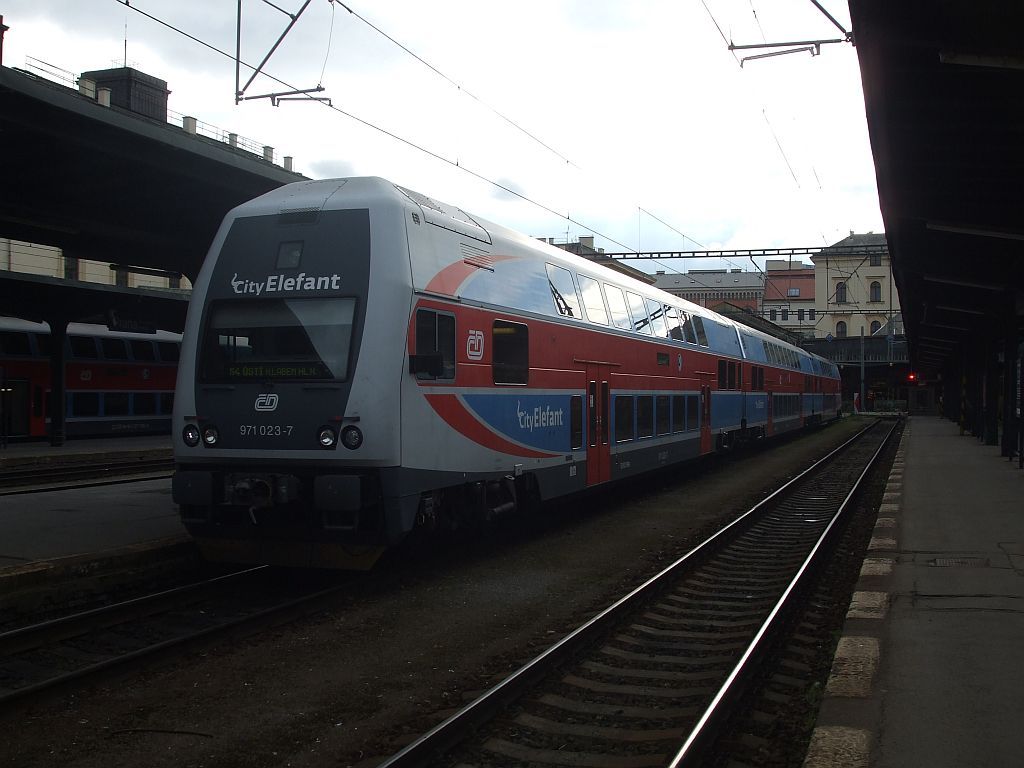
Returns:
<point x="703" y="734"/>
<point x="450" y="732"/>
<point x="79" y="624"/>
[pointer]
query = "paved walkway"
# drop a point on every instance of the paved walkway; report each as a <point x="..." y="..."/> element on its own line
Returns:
<point x="930" y="671"/>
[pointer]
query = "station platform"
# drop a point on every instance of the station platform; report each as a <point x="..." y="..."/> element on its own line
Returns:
<point x="83" y="449"/>
<point x="930" y="668"/>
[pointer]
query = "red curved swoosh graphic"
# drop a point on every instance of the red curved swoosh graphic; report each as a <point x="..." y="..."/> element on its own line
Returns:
<point x="452" y="410"/>
<point x="450" y="279"/>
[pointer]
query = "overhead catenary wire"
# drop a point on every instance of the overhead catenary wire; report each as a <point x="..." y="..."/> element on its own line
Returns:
<point x="390" y="134"/>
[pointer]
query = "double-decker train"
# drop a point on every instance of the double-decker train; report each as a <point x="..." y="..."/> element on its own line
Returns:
<point x="360" y="360"/>
<point x="116" y="383"/>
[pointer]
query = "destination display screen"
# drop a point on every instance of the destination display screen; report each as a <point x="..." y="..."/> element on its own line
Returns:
<point x="277" y="339"/>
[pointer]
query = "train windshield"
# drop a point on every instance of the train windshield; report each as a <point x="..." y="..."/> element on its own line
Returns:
<point x="278" y="339"/>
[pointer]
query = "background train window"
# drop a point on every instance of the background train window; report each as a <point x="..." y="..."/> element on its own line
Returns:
<point x="638" y="310"/>
<point x="166" y="402"/>
<point x="510" y="343"/>
<point x="14" y="343"/>
<point x="678" y="413"/>
<point x="85" y="404"/>
<point x="623" y="418"/>
<point x="732" y="376"/>
<point x="698" y="326"/>
<point x="563" y="291"/>
<point x="617" y="305"/>
<point x="83" y="346"/>
<point x="723" y="375"/>
<point x="145" y="403"/>
<point x="142" y="350"/>
<point x="169" y="351"/>
<point x="692" y="411"/>
<point x="662" y="415"/>
<point x="114" y="349"/>
<point x="657" y="315"/>
<point x="592" y="301"/>
<point x="115" y="404"/>
<point x="644" y="416"/>
<point x="575" y="422"/>
<point x="435" y="332"/>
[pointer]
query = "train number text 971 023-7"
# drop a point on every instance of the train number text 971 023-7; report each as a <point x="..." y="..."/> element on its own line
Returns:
<point x="265" y="430"/>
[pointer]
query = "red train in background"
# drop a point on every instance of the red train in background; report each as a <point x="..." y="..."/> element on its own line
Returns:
<point x="116" y="383"/>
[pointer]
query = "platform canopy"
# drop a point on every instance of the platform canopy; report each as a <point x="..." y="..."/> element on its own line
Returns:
<point x="944" y="97"/>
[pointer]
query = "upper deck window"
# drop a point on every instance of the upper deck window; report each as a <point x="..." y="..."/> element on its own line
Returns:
<point x="563" y="291"/>
<point x="591" y="290"/>
<point x="617" y="305"/>
<point x="278" y="339"/>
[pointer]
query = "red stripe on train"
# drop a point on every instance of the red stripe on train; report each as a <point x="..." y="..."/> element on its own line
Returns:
<point x="455" y="413"/>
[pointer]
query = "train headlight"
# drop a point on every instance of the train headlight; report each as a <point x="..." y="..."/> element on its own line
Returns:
<point x="211" y="436"/>
<point x="351" y="437"/>
<point x="326" y="437"/>
<point x="190" y="434"/>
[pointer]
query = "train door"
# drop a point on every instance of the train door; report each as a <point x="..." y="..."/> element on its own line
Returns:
<point x="14" y="408"/>
<point x="598" y="448"/>
<point x="705" y="418"/>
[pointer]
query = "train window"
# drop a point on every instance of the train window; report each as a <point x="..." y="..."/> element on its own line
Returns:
<point x="14" y="343"/>
<point x="43" y="343"/>
<point x="435" y="333"/>
<point x="85" y="404"/>
<point x="623" y="418"/>
<point x="115" y="404"/>
<point x="723" y="375"/>
<point x="575" y="422"/>
<point x="37" y="401"/>
<point x="289" y="254"/>
<point x="698" y="326"/>
<point x="169" y="351"/>
<point x="142" y="350"/>
<point x="688" y="333"/>
<point x="692" y="413"/>
<point x="114" y="349"/>
<point x="731" y="384"/>
<point x="510" y="353"/>
<point x="83" y="346"/>
<point x="662" y="415"/>
<point x="638" y="310"/>
<point x="678" y="413"/>
<point x="563" y="291"/>
<point x="657" y="314"/>
<point x="675" y="330"/>
<point x="592" y="301"/>
<point x="167" y="402"/>
<point x="644" y="416"/>
<point x="617" y="305"/>
<point x="144" y="403"/>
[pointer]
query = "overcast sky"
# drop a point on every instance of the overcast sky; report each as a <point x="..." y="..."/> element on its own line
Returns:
<point x="637" y="110"/>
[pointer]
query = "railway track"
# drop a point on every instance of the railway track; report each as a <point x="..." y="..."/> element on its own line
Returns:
<point x="49" y="477"/>
<point x="652" y="680"/>
<point x="43" y="656"/>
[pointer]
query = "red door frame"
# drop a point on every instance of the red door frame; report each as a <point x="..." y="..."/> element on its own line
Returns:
<point x="598" y="422"/>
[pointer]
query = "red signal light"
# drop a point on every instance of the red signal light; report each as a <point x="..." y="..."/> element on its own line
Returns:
<point x="911" y="376"/>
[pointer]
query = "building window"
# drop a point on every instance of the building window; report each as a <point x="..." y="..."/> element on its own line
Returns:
<point x="841" y="329"/>
<point x="793" y="292"/>
<point x="876" y="291"/>
<point x="840" y="293"/>
<point x="875" y="326"/>
<point x="876" y="260"/>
